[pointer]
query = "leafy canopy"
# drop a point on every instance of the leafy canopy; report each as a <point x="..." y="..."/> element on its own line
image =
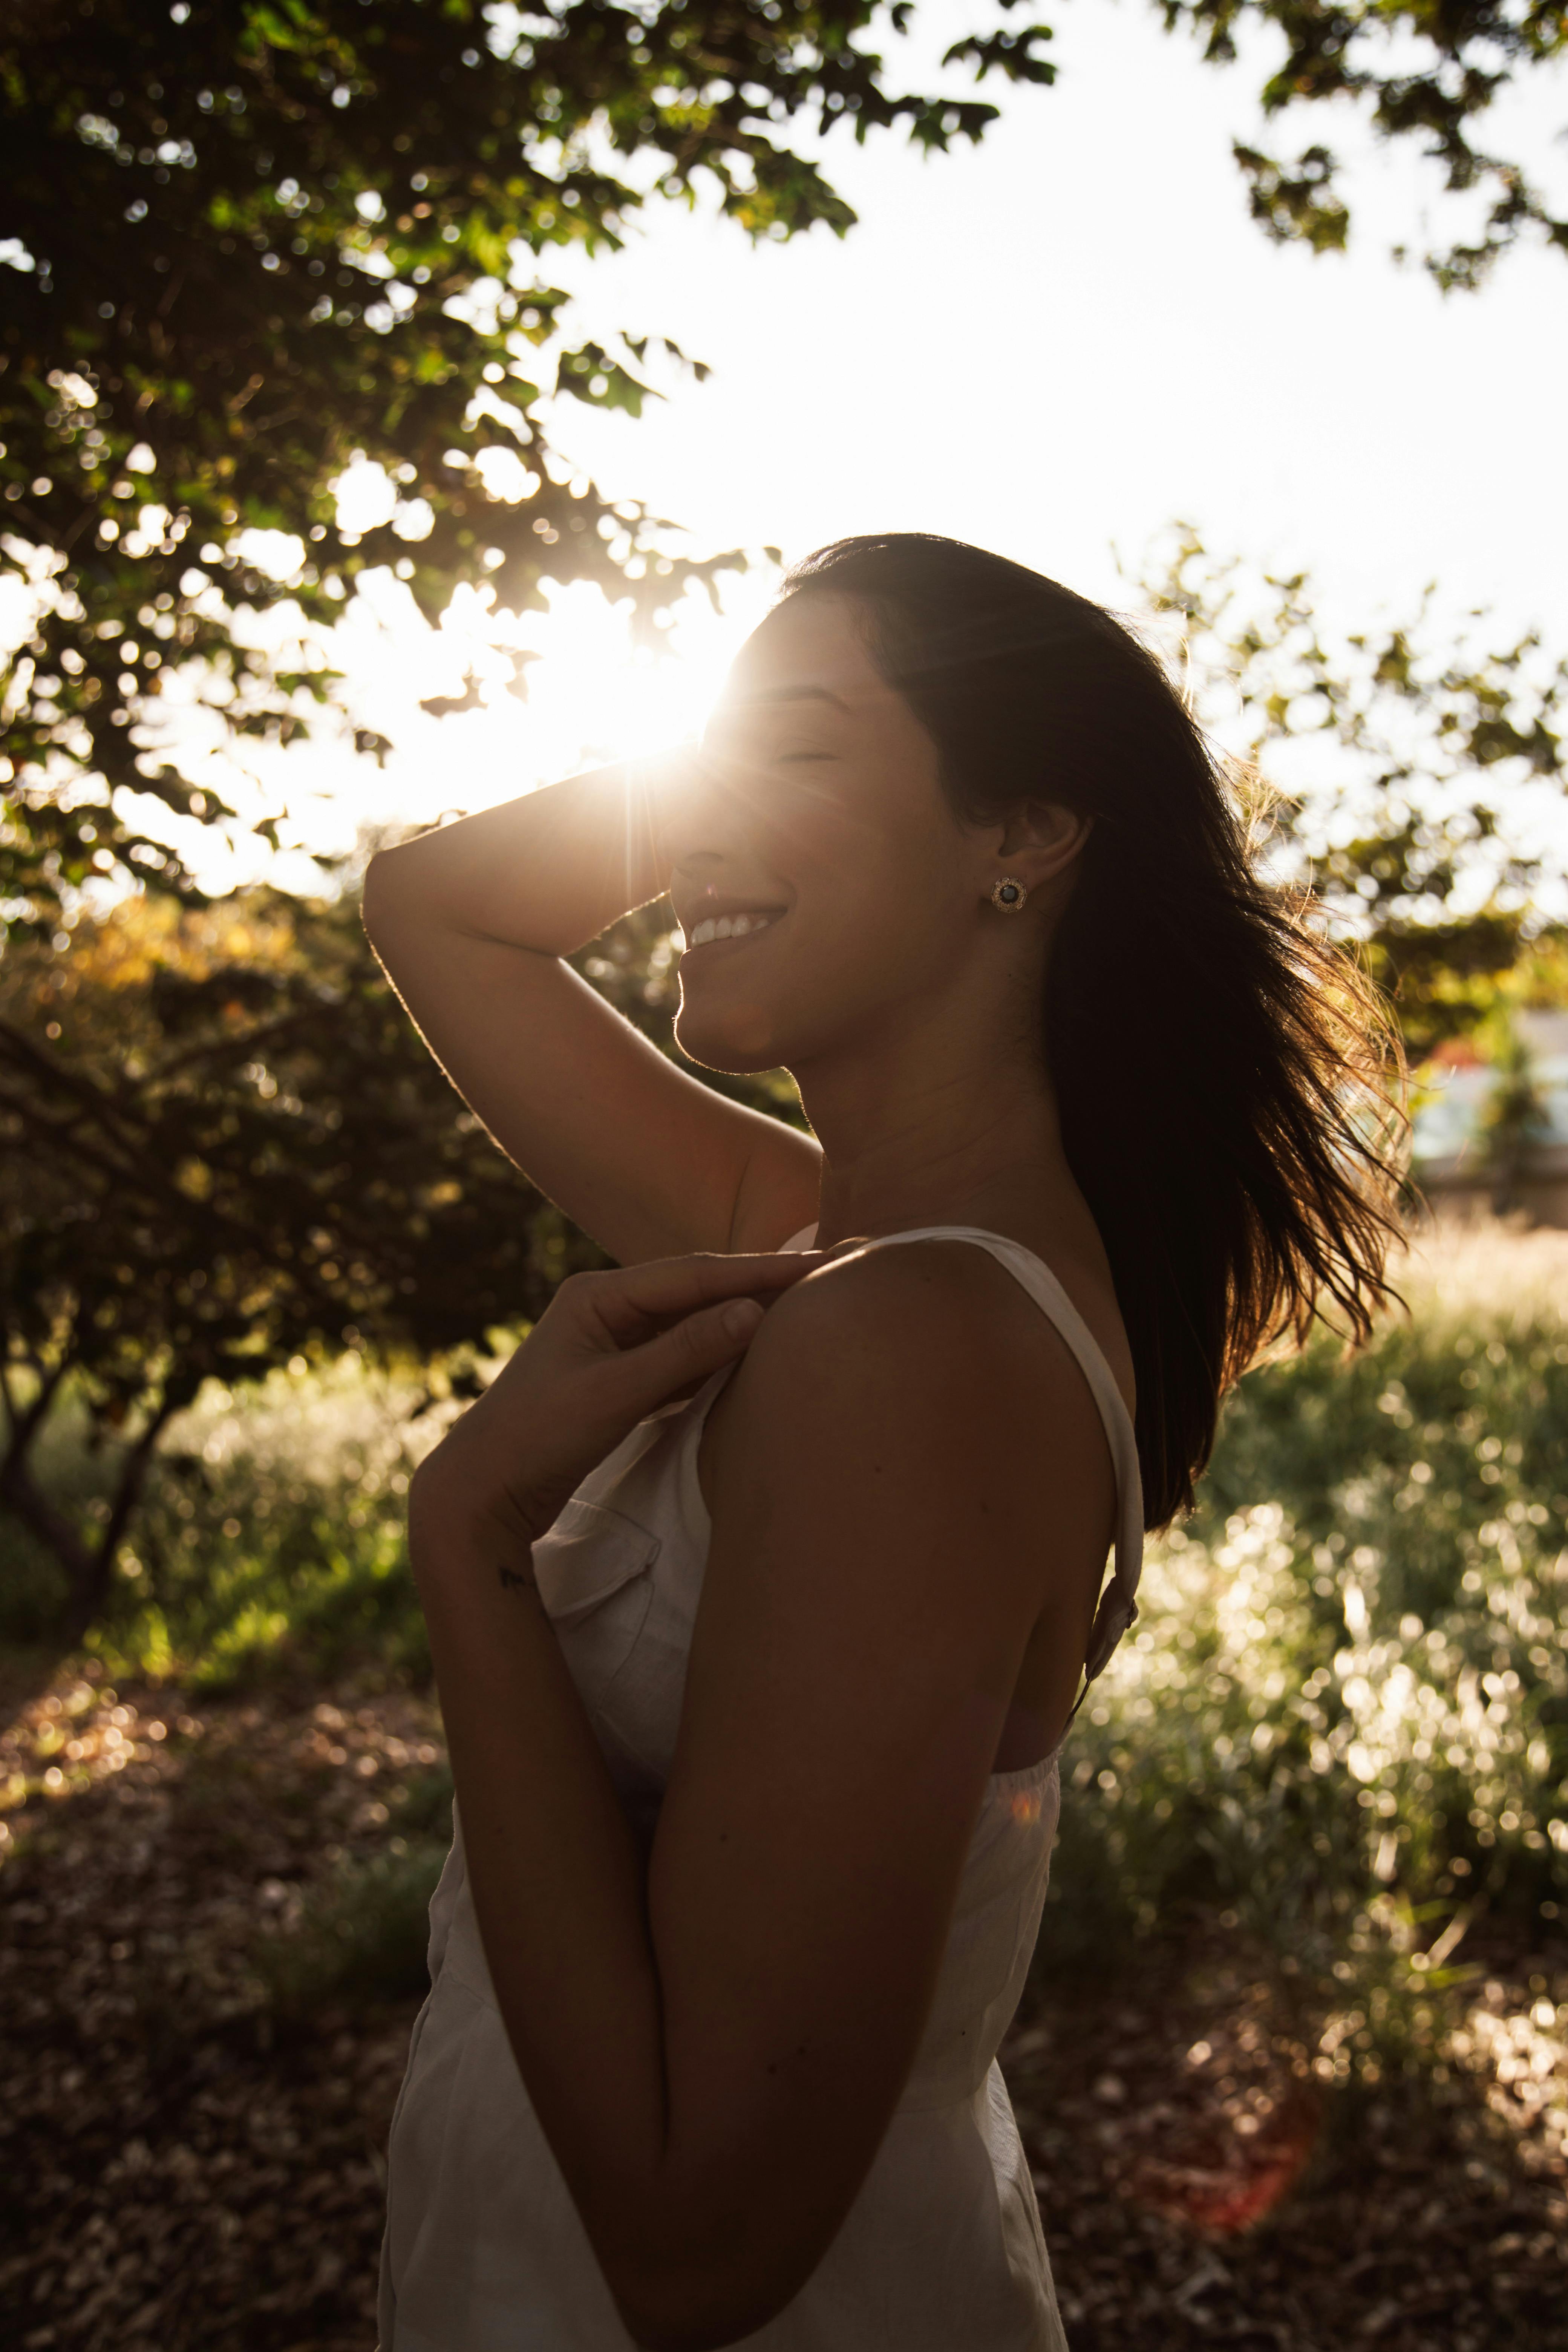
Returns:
<point x="1414" y="780"/>
<point x="242" y="242"/>
<point x="249" y="241"/>
<point x="1419" y="70"/>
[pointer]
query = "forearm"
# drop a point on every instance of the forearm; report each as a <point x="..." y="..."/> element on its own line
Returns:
<point x="548" y="871"/>
<point x="628" y="2032"/>
<point x="557" y="1881"/>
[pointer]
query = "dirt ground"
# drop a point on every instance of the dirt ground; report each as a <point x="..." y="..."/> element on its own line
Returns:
<point x="187" y="2170"/>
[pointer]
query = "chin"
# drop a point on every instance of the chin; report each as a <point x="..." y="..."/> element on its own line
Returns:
<point x="738" y="1044"/>
<point x="736" y="1030"/>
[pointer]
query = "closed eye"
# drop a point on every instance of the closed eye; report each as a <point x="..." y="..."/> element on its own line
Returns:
<point x="726" y="741"/>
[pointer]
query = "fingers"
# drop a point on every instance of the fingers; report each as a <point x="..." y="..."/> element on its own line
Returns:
<point x="627" y="1300"/>
<point x="688" y="1353"/>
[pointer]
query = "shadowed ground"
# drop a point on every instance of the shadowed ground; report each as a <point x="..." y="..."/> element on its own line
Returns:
<point x="209" y="1940"/>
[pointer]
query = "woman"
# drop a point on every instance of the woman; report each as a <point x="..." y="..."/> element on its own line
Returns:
<point x="760" y="1582"/>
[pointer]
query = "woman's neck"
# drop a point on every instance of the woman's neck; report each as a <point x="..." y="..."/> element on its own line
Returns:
<point x="929" y="1138"/>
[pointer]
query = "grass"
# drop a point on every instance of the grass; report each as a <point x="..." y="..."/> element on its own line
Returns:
<point x="358" y="1937"/>
<point x="270" y="1543"/>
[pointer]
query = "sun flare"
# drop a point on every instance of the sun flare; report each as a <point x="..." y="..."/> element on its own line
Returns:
<point x="485" y="706"/>
<point x="525" y="700"/>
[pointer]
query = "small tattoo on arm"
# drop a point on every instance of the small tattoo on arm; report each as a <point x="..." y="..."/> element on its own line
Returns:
<point x="513" y="1581"/>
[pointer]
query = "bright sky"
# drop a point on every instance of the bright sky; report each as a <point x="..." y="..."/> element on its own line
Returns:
<point x="1052" y="345"/>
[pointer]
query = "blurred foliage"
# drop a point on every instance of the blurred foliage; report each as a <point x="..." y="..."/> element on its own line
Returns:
<point x="1342" y="1719"/>
<point x="246" y="242"/>
<point x="361" y="1936"/>
<point x="1415" y="71"/>
<point x="242" y="246"/>
<point x="228" y="1149"/>
<point x="269" y="1539"/>
<point x="1408" y="839"/>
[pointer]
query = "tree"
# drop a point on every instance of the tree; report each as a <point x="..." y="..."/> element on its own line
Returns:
<point x="249" y="240"/>
<point x="246" y="239"/>
<point x="225" y="1145"/>
<point x="1416" y="72"/>
<point x="1414" y="834"/>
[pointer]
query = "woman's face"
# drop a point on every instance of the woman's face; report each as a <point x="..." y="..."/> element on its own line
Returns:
<point x="814" y="814"/>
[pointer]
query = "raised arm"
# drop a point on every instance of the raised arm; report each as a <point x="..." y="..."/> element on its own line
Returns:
<point x="471" y="923"/>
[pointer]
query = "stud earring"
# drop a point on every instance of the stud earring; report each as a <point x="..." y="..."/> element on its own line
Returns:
<point x="1009" y="894"/>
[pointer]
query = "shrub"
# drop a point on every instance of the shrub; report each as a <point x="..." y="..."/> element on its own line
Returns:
<point x="271" y="1543"/>
<point x="359" y="1938"/>
<point x="1341" y="1721"/>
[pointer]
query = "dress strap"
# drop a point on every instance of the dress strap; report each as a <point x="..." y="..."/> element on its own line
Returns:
<point x="1119" y="1603"/>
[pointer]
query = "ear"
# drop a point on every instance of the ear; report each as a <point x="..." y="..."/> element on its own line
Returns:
<point x="1041" y="840"/>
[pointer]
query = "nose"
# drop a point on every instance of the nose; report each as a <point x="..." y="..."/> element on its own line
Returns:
<point x="703" y="819"/>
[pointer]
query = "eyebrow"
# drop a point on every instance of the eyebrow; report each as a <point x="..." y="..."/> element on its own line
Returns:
<point x="790" y="694"/>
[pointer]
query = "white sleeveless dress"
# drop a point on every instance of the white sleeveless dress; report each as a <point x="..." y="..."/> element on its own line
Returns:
<point x="942" y="2250"/>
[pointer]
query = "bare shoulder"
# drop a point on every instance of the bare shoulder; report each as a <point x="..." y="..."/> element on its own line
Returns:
<point x="954" y="1299"/>
<point x="915" y="1359"/>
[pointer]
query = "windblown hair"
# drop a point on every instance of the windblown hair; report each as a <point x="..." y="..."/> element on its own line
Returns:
<point x="1220" y="1069"/>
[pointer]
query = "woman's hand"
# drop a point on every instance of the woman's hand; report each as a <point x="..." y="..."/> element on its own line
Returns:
<point x="609" y="1349"/>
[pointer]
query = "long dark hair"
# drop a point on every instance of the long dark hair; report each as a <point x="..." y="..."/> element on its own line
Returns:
<point x="1219" y="1067"/>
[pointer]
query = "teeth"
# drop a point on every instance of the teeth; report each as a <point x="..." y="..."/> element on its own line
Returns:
<point x="728" y="926"/>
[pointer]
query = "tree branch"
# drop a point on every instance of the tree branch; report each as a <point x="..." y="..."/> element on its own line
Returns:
<point x="21" y="1493"/>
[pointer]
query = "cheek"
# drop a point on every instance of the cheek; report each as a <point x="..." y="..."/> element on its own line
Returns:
<point x="821" y="969"/>
<point x="886" y="933"/>
<point x="877" y="918"/>
<point x="901" y="885"/>
<point x="856" y="853"/>
<point x="885" y="892"/>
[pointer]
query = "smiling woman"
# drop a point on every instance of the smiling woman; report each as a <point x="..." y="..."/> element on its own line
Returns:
<point x="761" y="1582"/>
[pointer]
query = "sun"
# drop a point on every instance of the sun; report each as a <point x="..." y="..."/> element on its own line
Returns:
<point x="485" y="706"/>
<point x="525" y="700"/>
